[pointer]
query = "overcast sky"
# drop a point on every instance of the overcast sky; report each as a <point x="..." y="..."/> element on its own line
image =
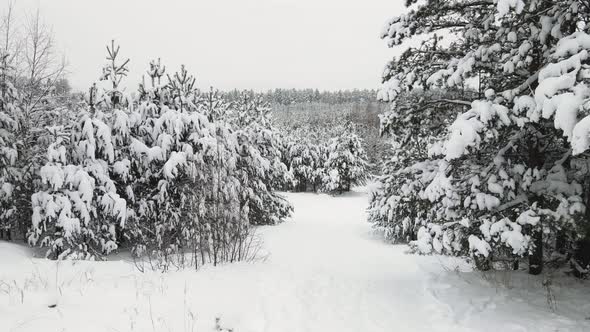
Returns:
<point x="244" y="44"/>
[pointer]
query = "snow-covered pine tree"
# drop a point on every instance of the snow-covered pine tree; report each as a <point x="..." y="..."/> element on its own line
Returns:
<point x="397" y="204"/>
<point x="307" y="153"/>
<point x="174" y="172"/>
<point x="204" y="172"/>
<point x="77" y="208"/>
<point x="509" y="179"/>
<point x="178" y="174"/>
<point x="9" y="173"/>
<point x="303" y="161"/>
<point x="259" y="159"/>
<point x="38" y="71"/>
<point x="346" y="164"/>
<point x="113" y="73"/>
<point x="319" y="151"/>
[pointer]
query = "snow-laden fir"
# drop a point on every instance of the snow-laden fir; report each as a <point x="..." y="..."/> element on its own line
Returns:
<point x="500" y="171"/>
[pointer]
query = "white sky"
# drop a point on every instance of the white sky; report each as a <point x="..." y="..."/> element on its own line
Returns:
<point x="244" y="44"/>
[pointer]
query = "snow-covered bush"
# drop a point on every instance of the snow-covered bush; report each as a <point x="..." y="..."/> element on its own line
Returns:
<point x="507" y="179"/>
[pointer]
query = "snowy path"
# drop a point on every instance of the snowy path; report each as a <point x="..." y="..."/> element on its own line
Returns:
<point x="324" y="272"/>
<point x="344" y="279"/>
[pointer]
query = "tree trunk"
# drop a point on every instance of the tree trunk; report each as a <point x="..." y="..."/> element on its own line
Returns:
<point x="536" y="257"/>
<point x="482" y="263"/>
<point x="561" y="242"/>
<point x="582" y="258"/>
<point x="581" y="253"/>
<point x="536" y="159"/>
<point x="515" y="265"/>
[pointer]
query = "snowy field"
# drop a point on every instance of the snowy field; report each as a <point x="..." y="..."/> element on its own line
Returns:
<point x="324" y="270"/>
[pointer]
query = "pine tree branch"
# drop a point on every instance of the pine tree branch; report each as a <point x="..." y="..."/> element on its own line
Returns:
<point x="522" y="198"/>
<point x="526" y="84"/>
<point x="450" y="101"/>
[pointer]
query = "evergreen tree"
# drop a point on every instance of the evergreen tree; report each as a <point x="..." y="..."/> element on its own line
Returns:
<point x="77" y="208"/>
<point x="397" y="205"/>
<point x="172" y="172"/>
<point x="9" y="173"/>
<point x="508" y="180"/>
<point x="347" y="162"/>
<point x="307" y="163"/>
<point x="260" y="160"/>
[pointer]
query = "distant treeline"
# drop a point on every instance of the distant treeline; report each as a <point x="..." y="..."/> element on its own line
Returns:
<point x="294" y="96"/>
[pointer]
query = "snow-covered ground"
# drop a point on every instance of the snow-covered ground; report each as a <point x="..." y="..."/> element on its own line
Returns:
<point x="324" y="271"/>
